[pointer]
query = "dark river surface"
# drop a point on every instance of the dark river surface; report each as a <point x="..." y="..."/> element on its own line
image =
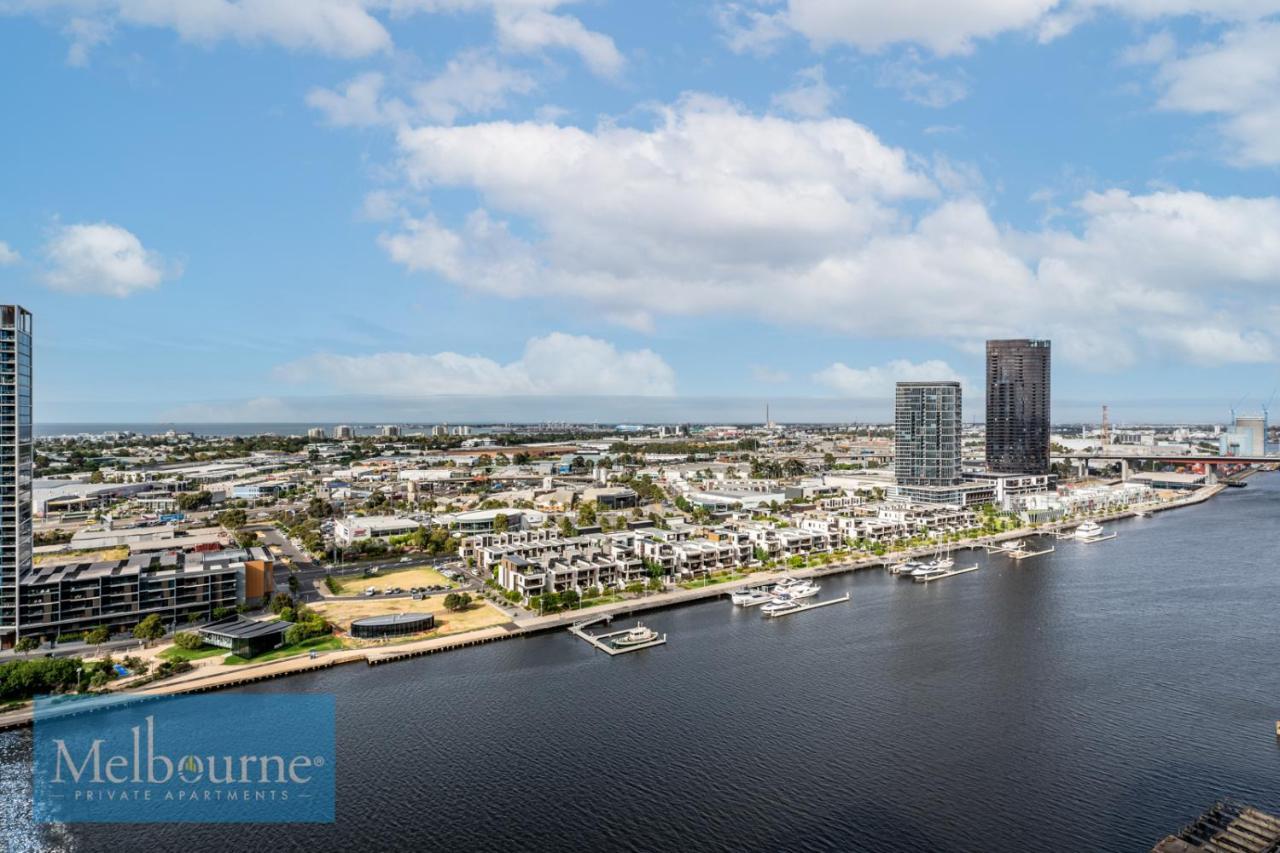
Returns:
<point x="1093" y="699"/>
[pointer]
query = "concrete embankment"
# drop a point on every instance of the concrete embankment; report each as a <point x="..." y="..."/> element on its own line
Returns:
<point x="250" y="673"/>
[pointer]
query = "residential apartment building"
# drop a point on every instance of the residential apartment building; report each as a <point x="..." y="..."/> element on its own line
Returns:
<point x="927" y="434"/>
<point x="1018" y="388"/>
<point x="16" y="463"/>
<point x="58" y="600"/>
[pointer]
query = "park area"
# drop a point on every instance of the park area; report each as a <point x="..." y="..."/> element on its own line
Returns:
<point x="404" y="578"/>
<point x="480" y="614"/>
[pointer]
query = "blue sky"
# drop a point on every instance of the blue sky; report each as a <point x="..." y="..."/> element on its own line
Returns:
<point x="376" y="209"/>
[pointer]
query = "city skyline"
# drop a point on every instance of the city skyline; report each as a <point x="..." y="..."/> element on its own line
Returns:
<point x="361" y="200"/>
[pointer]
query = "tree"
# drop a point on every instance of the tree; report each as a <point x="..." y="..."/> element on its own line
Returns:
<point x="188" y="640"/>
<point x="246" y="538"/>
<point x="27" y="645"/>
<point x="457" y="601"/>
<point x="501" y="523"/>
<point x="188" y="501"/>
<point x="149" y="629"/>
<point x="293" y="584"/>
<point x="587" y="514"/>
<point x="232" y="519"/>
<point x="280" y="601"/>
<point x="97" y="636"/>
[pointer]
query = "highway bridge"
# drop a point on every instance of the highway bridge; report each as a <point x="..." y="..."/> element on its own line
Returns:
<point x="1209" y="461"/>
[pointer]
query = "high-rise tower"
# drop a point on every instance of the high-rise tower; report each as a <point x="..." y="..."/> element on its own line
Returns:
<point x="1018" y="406"/>
<point x="16" y="461"/>
<point x="927" y="434"/>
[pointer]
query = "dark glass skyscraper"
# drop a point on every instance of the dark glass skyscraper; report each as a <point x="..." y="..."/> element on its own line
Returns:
<point x="927" y="434"/>
<point x="1018" y="406"/>
<point x="16" y="460"/>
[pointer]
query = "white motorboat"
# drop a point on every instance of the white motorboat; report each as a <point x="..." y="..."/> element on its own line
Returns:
<point x="805" y="589"/>
<point x="750" y="597"/>
<point x="786" y="584"/>
<point x="781" y="604"/>
<point x="930" y="573"/>
<point x="636" y="636"/>
<point x="1089" y="530"/>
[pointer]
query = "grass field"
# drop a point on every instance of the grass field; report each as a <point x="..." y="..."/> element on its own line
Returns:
<point x="177" y="654"/>
<point x="315" y="644"/>
<point x="479" y="615"/>
<point x="403" y="578"/>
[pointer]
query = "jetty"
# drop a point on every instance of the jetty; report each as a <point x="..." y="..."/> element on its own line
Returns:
<point x="948" y="574"/>
<point x="1017" y="551"/>
<point x="608" y="644"/>
<point x="805" y="607"/>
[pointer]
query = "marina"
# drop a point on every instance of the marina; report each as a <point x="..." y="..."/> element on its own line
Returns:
<point x="1051" y="759"/>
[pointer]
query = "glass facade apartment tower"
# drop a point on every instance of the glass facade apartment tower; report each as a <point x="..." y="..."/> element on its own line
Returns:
<point x="16" y="461"/>
<point x="927" y="434"/>
<point x="1018" y="406"/>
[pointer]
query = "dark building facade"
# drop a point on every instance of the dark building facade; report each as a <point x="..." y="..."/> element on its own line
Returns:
<point x="927" y="434"/>
<point x="16" y="460"/>
<point x="1018" y="406"/>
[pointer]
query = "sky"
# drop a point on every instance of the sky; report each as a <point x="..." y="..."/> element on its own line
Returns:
<point x="267" y="210"/>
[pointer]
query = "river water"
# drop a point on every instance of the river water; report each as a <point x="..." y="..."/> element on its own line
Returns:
<point x="1092" y="699"/>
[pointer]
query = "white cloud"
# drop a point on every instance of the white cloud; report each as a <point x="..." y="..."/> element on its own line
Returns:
<point x="472" y="83"/>
<point x="558" y="363"/>
<point x="769" y="375"/>
<point x="811" y="97"/>
<point x="919" y="86"/>
<point x="1156" y="49"/>
<point x="1237" y="78"/>
<point x="701" y="215"/>
<point x="8" y="255"/>
<point x="342" y="28"/>
<point x="947" y="27"/>
<point x="531" y="26"/>
<point x="532" y="30"/>
<point x="943" y="26"/>
<point x="879" y="381"/>
<point x="102" y="258"/>
<point x="751" y="30"/>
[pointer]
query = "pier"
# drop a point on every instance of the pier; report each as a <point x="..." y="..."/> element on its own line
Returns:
<point x="604" y="642"/>
<point x="805" y="607"/>
<point x="949" y="574"/>
<point x="1018" y="553"/>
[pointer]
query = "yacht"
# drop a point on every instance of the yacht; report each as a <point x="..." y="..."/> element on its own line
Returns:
<point x="636" y="636"/>
<point x="904" y="570"/>
<point x="780" y="605"/>
<point x="1089" y="530"/>
<point x="804" y="589"/>
<point x="750" y="597"/>
<point x="786" y="585"/>
<point x="928" y="573"/>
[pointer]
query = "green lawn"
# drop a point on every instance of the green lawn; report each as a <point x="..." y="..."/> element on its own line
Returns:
<point x="176" y="654"/>
<point x="316" y="644"/>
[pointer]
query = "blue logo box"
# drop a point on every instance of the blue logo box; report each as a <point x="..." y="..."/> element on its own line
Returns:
<point x="222" y="758"/>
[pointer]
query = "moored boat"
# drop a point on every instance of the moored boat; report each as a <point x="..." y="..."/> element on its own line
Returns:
<point x="636" y="636"/>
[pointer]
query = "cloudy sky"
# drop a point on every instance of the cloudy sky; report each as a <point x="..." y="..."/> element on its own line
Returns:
<point x="268" y="209"/>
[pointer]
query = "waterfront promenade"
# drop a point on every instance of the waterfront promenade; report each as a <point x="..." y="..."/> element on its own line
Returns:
<point x="199" y="682"/>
